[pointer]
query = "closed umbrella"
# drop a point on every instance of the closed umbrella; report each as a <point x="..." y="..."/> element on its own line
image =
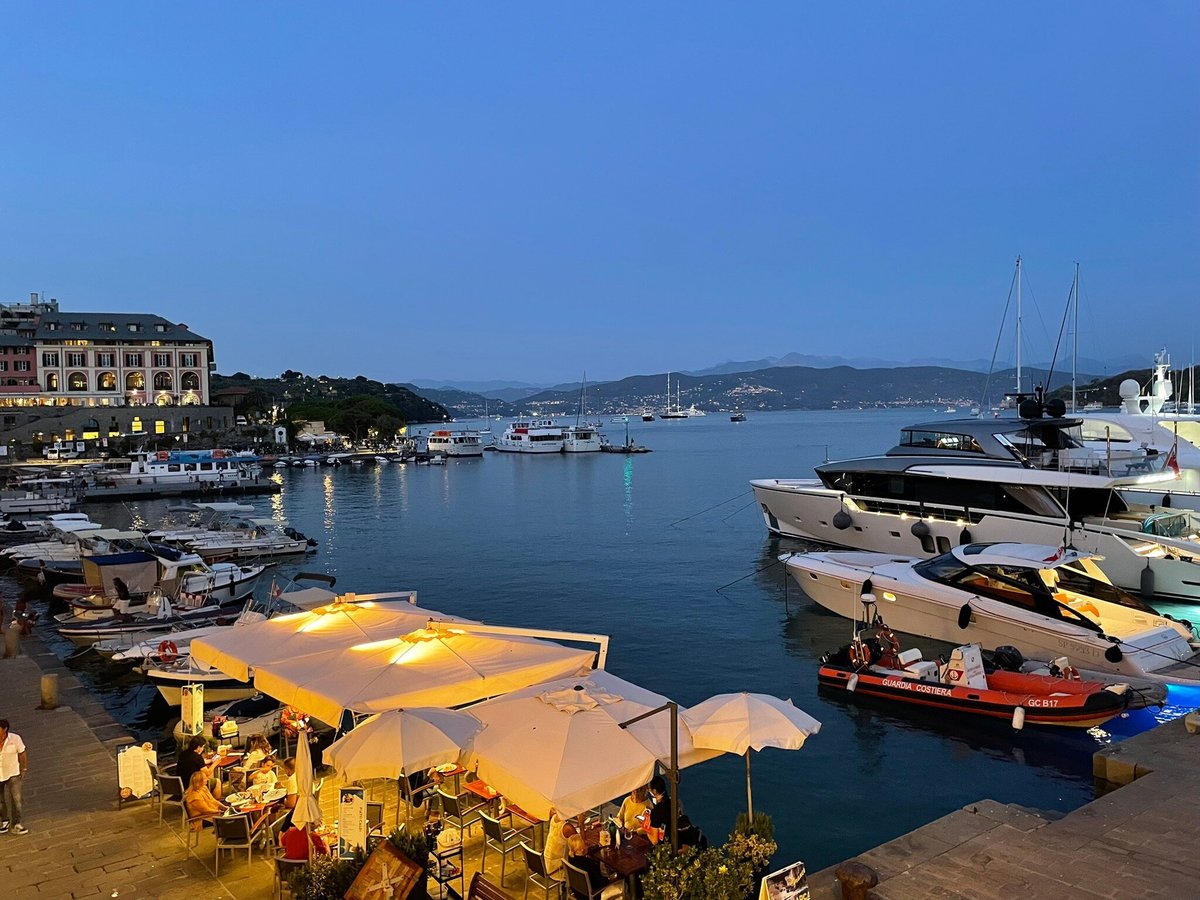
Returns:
<point x="739" y="723"/>
<point x="401" y="741"/>
<point x="308" y="808"/>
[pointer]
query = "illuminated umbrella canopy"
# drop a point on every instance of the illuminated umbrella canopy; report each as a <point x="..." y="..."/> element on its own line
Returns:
<point x="344" y="622"/>
<point x="739" y="723"/>
<point x="401" y="741"/>
<point x="561" y="744"/>
<point x="438" y="665"/>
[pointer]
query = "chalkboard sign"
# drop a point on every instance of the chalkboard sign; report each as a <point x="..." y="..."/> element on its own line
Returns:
<point x="134" y="781"/>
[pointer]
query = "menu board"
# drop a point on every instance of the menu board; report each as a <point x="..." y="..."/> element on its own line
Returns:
<point x="191" y="708"/>
<point x="388" y="875"/>
<point x="133" y="770"/>
<point x="352" y="821"/>
<point x="790" y="883"/>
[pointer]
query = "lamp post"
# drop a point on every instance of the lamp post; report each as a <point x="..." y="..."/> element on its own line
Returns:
<point x="673" y="773"/>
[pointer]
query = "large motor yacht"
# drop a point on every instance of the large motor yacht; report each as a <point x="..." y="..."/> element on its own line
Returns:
<point x="1045" y="601"/>
<point x="965" y="480"/>
<point x="455" y="443"/>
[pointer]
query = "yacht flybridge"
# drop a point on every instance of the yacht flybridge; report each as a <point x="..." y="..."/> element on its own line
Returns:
<point x="964" y="480"/>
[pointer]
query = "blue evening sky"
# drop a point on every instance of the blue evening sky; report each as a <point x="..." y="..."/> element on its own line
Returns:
<point x="525" y="191"/>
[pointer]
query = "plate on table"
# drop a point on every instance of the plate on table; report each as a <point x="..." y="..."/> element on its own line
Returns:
<point x="274" y="794"/>
<point x="238" y="799"/>
<point x="445" y="768"/>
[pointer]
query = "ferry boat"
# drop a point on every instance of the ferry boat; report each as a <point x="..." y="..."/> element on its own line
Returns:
<point x="532" y="436"/>
<point x="455" y="443"/>
<point x="175" y="467"/>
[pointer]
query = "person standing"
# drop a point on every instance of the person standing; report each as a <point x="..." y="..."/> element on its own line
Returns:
<point x="13" y="765"/>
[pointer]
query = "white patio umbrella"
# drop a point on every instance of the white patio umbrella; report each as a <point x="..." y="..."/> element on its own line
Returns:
<point x="739" y="723"/>
<point x="308" y="808"/>
<point x="402" y="741"/>
<point x="560" y="744"/>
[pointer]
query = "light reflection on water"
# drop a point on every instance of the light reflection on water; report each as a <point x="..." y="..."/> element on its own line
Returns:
<point x="580" y="543"/>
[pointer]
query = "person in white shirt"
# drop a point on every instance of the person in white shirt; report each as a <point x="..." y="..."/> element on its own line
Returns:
<point x="14" y="763"/>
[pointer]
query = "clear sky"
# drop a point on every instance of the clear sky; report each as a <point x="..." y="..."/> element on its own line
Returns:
<point x="524" y="191"/>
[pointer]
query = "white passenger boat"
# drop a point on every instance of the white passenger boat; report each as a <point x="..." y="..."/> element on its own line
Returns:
<point x="1044" y="600"/>
<point x="581" y="438"/>
<point x="959" y="481"/>
<point x="182" y="467"/>
<point x="447" y="442"/>
<point x="531" y="436"/>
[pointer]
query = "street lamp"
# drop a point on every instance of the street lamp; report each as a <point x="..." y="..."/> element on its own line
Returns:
<point x="673" y="773"/>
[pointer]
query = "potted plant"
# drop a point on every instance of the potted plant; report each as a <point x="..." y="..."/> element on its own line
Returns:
<point x="752" y="845"/>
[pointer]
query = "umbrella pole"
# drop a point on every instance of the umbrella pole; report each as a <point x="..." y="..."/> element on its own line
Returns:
<point x="749" y="795"/>
<point x="674" y="708"/>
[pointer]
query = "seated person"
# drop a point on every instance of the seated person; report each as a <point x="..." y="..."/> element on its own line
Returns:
<point x="287" y="769"/>
<point x="556" y="843"/>
<point x="632" y="807"/>
<point x="577" y="848"/>
<point x="295" y="846"/>
<point x="199" y="801"/>
<point x="191" y="760"/>
<point x="264" y="774"/>
<point x="256" y="751"/>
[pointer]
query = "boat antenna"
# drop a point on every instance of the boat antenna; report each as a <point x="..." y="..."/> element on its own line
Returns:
<point x="1018" y="276"/>
<point x="996" y="349"/>
<point x="1071" y="299"/>
<point x="1075" y="337"/>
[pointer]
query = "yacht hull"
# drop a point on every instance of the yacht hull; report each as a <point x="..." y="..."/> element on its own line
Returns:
<point x="806" y="509"/>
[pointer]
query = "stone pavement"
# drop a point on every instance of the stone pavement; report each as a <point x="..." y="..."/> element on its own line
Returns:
<point x="1138" y="841"/>
<point x="80" y="844"/>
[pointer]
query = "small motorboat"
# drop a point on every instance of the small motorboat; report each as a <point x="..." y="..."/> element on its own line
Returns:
<point x="737" y="416"/>
<point x="873" y="665"/>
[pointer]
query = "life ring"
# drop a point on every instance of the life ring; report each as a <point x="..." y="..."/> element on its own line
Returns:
<point x="168" y="652"/>
<point x="888" y="639"/>
<point x="163" y="455"/>
<point x="860" y="655"/>
<point x="1070" y="673"/>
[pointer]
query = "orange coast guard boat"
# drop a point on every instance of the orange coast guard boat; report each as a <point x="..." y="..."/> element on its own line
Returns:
<point x="873" y="665"/>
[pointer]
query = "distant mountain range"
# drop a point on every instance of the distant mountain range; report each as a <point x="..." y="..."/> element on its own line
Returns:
<point x="776" y="387"/>
<point x="970" y="365"/>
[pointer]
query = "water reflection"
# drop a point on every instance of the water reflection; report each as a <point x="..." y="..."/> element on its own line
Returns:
<point x="627" y="482"/>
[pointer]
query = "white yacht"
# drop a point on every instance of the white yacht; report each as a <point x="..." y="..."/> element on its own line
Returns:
<point x="1046" y="601"/>
<point x="964" y="480"/>
<point x="582" y="438"/>
<point x="532" y="436"/>
<point x="174" y="467"/>
<point x="455" y="443"/>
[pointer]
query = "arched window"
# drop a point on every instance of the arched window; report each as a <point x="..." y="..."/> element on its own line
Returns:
<point x="77" y="381"/>
<point x="163" y="381"/>
<point x="135" y="381"/>
<point x="52" y="381"/>
<point x="106" y="381"/>
<point x="190" y="381"/>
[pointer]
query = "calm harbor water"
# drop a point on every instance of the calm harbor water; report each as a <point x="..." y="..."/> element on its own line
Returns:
<point x="667" y="553"/>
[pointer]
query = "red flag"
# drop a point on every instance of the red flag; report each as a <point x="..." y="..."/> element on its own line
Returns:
<point x="1172" y="462"/>
<point x="1057" y="555"/>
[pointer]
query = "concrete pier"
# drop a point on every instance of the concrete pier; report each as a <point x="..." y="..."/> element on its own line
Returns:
<point x="1137" y="840"/>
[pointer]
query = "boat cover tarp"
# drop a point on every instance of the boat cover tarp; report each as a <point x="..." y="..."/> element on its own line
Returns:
<point x="439" y="666"/>
<point x="139" y="571"/>
<point x="285" y="637"/>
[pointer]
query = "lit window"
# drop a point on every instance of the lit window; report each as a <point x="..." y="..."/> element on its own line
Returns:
<point x="160" y="426"/>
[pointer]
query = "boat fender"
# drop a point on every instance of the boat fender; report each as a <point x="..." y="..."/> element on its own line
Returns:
<point x="1147" y="582"/>
<point x="1113" y="654"/>
<point x="852" y="683"/>
<point x="1018" y="719"/>
<point x="964" y="616"/>
<point x="867" y="588"/>
<point x="964" y="537"/>
<point x="1166" y="501"/>
<point x="842" y="520"/>
<point x="919" y="529"/>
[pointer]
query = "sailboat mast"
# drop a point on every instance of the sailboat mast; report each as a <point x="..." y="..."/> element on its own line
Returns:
<point x="1075" y="339"/>
<point x="1018" y="326"/>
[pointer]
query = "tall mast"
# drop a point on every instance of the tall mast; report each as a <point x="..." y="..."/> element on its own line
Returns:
<point x="1018" y="326"/>
<point x="1075" y="331"/>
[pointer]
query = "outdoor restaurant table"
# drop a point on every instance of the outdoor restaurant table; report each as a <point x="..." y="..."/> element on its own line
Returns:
<point x="221" y="764"/>
<point x="484" y="790"/>
<point x="627" y="860"/>
<point x="258" y="813"/>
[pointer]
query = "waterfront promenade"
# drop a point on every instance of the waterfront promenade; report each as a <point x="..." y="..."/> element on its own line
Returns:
<point x="1138" y="840"/>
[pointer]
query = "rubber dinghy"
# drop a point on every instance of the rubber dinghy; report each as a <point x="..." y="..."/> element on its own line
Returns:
<point x="873" y="665"/>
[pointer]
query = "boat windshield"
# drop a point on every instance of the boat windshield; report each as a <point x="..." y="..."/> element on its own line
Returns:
<point x="1012" y="585"/>
<point x="1170" y="524"/>
<point x="1077" y="581"/>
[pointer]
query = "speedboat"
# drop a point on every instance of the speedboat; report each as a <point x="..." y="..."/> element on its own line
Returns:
<point x="963" y="480"/>
<point x="737" y="416"/>
<point x="1046" y="601"/>
<point x="873" y="665"/>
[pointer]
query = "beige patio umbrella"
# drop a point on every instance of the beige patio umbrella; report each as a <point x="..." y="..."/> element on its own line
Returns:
<point x="739" y="723"/>
<point x="560" y="744"/>
<point x="393" y="744"/>
<point x="308" y="808"/>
